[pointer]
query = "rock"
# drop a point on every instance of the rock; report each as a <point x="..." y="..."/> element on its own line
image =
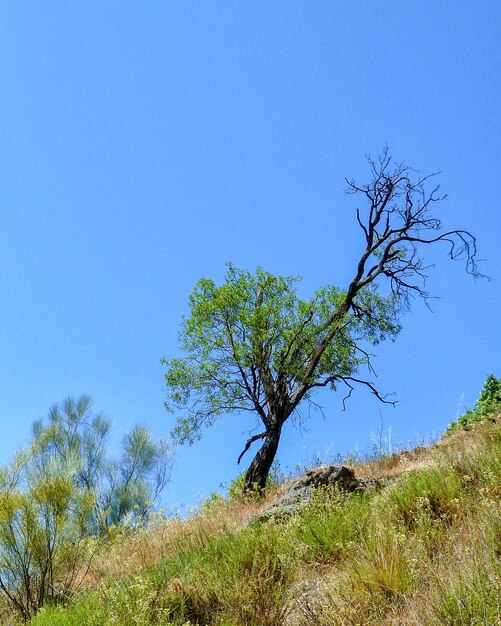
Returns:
<point x="367" y="484"/>
<point x="325" y="475"/>
<point x="299" y="492"/>
<point x="305" y="601"/>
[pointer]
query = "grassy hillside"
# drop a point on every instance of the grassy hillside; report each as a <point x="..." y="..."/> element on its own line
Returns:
<point x="421" y="548"/>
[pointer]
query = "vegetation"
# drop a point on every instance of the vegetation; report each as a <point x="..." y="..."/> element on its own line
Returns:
<point x="80" y="544"/>
<point x="252" y="345"/>
<point x="42" y="532"/>
<point x="421" y="549"/>
<point x="123" y="489"/>
<point x="488" y="404"/>
<point x="63" y="490"/>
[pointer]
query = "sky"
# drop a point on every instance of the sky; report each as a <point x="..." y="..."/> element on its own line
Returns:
<point x="144" y="145"/>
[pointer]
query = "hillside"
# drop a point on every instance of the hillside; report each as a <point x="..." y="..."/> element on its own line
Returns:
<point x="419" y="545"/>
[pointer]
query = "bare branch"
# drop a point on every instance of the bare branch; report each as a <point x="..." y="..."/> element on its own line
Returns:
<point x="249" y="443"/>
<point x="347" y="380"/>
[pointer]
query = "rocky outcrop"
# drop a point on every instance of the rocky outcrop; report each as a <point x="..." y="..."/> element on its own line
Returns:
<point x="299" y="492"/>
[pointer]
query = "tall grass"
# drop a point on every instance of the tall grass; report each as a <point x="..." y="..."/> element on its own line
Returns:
<point x="424" y="550"/>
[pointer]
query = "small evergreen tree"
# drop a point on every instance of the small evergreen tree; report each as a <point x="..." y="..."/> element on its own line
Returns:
<point x="124" y="489"/>
<point x="63" y="489"/>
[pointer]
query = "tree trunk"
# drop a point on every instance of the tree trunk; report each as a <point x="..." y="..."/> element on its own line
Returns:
<point x="261" y="464"/>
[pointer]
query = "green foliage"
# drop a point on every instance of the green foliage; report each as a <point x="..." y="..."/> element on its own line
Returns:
<point x="425" y="549"/>
<point x="124" y="489"/>
<point x="490" y="396"/>
<point x="244" y="336"/>
<point x="488" y="404"/>
<point x="42" y="532"/>
<point x="472" y="598"/>
<point x="331" y="523"/>
<point x="236" y="489"/>
<point x="63" y="489"/>
<point x="435" y="490"/>
<point x="381" y="564"/>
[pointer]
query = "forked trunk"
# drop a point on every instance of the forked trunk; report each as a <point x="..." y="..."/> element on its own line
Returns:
<point x="261" y="464"/>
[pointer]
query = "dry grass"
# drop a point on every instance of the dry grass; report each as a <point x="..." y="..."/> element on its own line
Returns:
<point x="434" y="560"/>
<point x="460" y="442"/>
<point x="129" y="553"/>
<point x="422" y="551"/>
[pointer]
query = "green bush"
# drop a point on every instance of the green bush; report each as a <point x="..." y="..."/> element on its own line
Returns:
<point x="472" y="598"/>
<point x="124" y="489"/>
<point x="88" y="611"/>
<point x="488" y="404"/>
<point x="42" y="533"/>
<point x="435" y="491"/>
<point x="236" y="489"/>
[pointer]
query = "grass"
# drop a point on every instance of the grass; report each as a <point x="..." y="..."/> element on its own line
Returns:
<point x="423" y="550"/>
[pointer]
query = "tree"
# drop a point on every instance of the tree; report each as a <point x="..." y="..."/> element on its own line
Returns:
<point x="253" y="345"/>
<point x="63" y="489"/>
<point x="124" y="489"/>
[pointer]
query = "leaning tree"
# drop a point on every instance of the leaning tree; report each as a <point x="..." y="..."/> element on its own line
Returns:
<point x="253" y="345"/>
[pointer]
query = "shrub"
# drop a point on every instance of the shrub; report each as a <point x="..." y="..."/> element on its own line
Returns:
<point x="434" y="490"/>
<point x="42" y="533"/>
<point x="236" y="488"/>
<point x="124" y="488"/>
<point x="382" y="565"/>
<point x="488" y="404"/>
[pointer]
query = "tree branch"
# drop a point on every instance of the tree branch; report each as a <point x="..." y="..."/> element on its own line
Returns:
<point x="347" y="380"/>
<point x="249" y="443"/>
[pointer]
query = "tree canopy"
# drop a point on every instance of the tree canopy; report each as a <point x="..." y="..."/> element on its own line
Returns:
<point x="252" y="344"/>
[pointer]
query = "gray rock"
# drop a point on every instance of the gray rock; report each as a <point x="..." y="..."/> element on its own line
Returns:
<point x="325" y="475"/>
<point x="299" y="492"/>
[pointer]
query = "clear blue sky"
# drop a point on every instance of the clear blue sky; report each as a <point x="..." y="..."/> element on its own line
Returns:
<point x="144" y="144"/>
